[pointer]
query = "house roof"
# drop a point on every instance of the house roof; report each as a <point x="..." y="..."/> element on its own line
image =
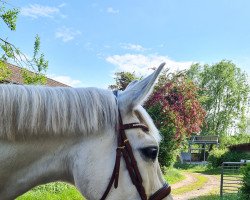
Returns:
<point x="17" y="78"/>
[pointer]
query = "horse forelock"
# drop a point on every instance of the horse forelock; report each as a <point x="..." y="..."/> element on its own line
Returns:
<point x="27" y="111"/>
<point x="149" y="122"/>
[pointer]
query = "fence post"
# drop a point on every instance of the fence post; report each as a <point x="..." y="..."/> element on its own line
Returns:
<point x="221" y="180"/>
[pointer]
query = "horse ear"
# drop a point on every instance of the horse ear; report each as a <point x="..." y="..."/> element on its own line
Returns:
<point x="138" y="91"/>
<point x="131" y="84"/>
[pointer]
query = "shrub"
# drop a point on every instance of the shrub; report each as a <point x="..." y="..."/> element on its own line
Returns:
<point x="235" y="156"/>
<point x="218" y="156"/>
<point x="246" y="181"/>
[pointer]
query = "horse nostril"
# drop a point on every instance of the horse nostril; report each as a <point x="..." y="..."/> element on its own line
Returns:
<point x="150" y="152"/>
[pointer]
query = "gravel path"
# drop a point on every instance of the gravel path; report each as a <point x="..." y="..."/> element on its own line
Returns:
<point x="212" y="184"/>
<point x="188" y="180"/>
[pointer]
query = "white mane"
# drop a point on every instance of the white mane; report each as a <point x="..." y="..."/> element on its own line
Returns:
<point x="27" y="111"/>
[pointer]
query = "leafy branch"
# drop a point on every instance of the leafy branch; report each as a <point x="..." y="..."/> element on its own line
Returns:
<point x="10" y="53"/>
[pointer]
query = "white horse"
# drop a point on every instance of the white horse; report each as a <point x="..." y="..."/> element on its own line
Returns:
<point x="68" y="134"/>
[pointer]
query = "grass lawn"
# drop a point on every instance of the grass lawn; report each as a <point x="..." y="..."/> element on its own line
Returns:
<point x="173" y="175"/>
<point x="217" y="197"/>
<point x="205" y="169"/>
<point x="52" y="191"/>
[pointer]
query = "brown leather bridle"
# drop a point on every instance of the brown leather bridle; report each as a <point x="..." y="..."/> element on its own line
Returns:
<point x="124" y="149"/>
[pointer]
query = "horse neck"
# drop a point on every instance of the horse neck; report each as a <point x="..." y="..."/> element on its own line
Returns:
<point x="30" y="163"/>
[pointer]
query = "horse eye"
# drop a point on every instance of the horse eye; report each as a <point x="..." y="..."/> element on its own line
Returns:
<point x="149" y="152"/>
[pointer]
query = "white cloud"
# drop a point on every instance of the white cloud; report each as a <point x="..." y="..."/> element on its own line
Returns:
<point x="112" y="10"/>
<point x="37" y="10"/>
<point x="134" y="47"/>
<point x="67" y="80"/>
<point x="66" y="34"/>
<point x="62" y="5"/>
<point x="142" y="65"/>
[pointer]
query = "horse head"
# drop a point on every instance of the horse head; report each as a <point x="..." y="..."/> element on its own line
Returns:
<point x="144" y="141"/>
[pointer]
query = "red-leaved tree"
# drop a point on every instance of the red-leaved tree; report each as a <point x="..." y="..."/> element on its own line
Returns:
<point x="177" y="113"/>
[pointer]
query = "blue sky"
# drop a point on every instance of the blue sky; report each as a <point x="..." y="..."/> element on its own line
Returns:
<point x="87" y="41"/>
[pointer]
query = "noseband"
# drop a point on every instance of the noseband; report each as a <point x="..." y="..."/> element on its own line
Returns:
<point x="124" y="149"/>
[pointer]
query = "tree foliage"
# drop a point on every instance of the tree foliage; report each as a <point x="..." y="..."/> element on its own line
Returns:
<point x="122" y="79"/>
<point x="10" y="53"/>
<point x="218" y="156"/>
<point x="177" y="113"/>
<point x="9" y="16"/>
<point x="4" y="71"/>
<point x="224" y="96"/>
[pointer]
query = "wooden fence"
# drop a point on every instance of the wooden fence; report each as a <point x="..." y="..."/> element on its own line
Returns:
<point x="231" y="177"/>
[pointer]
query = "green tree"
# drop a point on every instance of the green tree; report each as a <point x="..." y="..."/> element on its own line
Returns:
<point x="10" y="53"/>
<point x="122" y="79"/>
<point x="224" y="96"/>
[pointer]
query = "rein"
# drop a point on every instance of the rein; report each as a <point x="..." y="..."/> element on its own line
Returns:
<point x="124" y="149"/>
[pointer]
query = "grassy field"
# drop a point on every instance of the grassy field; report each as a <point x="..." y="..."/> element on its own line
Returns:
<point x="217" y="197"/>
<point x="205" y="169"/>
<point x="52" y="191"/>
<point x="173" y="176"/>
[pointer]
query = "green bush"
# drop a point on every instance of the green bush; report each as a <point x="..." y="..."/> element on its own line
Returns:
<point x="235" y="156"/>
<point x="246" y="182"/>
<point x="218" y="156"/>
